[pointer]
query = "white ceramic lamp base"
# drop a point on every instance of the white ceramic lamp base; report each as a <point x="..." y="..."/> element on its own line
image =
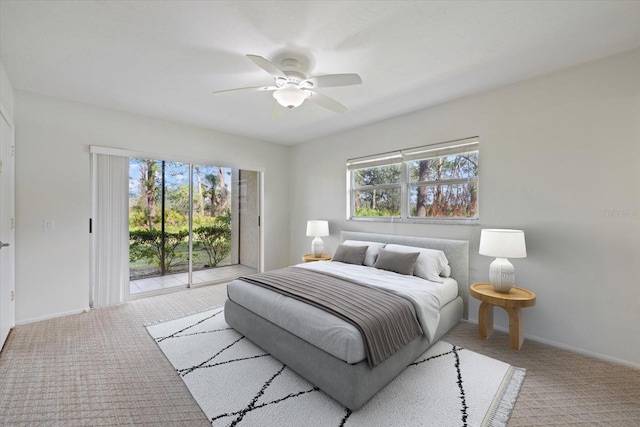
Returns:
<point x="502" y="275"/>
<point x="317" y="245"/>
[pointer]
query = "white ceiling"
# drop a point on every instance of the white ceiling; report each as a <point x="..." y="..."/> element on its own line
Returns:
<point x="164" y="58"/>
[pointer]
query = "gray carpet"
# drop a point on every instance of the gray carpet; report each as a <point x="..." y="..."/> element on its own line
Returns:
<point x="102" y="368"/>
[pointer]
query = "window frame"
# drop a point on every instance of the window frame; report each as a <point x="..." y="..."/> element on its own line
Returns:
<point x="404" y="158"/>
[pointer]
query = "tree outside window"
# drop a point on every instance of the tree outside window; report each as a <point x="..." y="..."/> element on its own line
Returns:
<point x="444" y="187"/>
<point x="377" y="191"/>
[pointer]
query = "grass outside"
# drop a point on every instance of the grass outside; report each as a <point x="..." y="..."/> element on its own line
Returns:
<point x="141" y="268"/>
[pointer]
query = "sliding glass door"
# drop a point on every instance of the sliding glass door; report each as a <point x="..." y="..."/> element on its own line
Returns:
<point x="184" y="220"/>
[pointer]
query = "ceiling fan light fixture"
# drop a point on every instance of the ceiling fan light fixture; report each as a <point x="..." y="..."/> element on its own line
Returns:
<point x="290" y="96"/>
<point x="292" y="86"/>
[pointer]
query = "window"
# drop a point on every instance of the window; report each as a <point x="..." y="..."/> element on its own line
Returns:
<point x="377" y="190"/>
<point x="437" y="182"/>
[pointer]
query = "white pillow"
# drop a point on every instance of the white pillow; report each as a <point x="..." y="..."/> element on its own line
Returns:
<point x="430" y="264"/>
<point x="372" y="250"/>
<point x="446" y="272"/>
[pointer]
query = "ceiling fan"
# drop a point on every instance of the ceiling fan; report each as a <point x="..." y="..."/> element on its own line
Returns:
<point x="292" y="87"/>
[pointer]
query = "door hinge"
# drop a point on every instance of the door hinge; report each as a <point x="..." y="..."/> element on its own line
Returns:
<point x="13" y="223"/>
<point x="13" y="295"/>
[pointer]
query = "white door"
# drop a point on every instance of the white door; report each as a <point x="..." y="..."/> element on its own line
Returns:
<point x="7" y="232"/>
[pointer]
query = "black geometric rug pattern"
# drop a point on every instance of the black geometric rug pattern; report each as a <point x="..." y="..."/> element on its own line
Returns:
<point x="237" y="383"/>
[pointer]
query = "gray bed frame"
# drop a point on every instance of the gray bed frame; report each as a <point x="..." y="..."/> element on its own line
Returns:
<point x="354" y="384"/>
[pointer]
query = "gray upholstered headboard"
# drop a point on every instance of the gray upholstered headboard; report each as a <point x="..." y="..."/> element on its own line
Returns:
<point x="457" y="252"/>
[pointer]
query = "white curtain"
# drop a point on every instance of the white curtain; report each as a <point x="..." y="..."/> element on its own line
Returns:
<point x="110" y="234"/>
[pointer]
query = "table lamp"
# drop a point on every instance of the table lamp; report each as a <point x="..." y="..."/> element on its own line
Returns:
<point x="317" y="229"/>
<point x="502" y="244"/>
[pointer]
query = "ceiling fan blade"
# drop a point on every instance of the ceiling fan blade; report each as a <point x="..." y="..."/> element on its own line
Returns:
<point x="248" y="89"/>
<point x="332" y="80"/>
<point x="267" y="65"/>
<point x="278" y="110"/>
<point x="326" y="102"/>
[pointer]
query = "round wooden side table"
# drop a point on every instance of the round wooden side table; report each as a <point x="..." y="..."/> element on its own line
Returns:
<point x="511" y="301"/>
<point x="311" y="257"/>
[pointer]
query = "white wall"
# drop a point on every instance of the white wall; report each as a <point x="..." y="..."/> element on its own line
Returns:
<point x="52" y="182"/>
<point x="6" y="91"/>
<point x="559" y="158"/>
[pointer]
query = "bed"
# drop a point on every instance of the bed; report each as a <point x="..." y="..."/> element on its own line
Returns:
<point x="298" y="340"/>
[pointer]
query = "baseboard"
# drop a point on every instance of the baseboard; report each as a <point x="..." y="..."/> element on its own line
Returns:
<point x="567" y="347"/>
<point x="582" y="351"/>
<point x="51" y="316"/>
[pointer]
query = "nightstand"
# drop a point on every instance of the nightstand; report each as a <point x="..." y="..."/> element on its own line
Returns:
<point x="512" y="302"/>
<point x="311" y="257"/>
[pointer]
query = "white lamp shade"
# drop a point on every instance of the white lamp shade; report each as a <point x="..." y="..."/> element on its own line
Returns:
<point x="317" y="228"/>
<point x="502" y="243"/>
<point x="290" y="96"/>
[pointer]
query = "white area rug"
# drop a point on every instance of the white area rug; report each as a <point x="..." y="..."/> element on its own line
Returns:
<point x="237" y="383"/>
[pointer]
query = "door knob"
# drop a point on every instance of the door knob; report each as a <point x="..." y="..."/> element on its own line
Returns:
<point x="2" y="245"/>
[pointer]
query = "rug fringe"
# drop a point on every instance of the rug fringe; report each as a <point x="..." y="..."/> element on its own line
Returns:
<point x="500" y="410"/>
<point x="180" y="316"/>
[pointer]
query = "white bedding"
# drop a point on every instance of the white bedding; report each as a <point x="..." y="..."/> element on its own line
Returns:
<point x="330" y="333"/>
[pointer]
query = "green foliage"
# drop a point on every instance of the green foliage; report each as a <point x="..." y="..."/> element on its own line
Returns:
<point x="364" y="212"/>
<point x="213" y="235"/>
<point x="215" y="239"/>
<point x="149" y="213"/>
<point x="145" y="244"/>
<point x="174" y="221"/>
<point x="378" y="175"/>
<point x="203" y="221"/>
<point x="137" y="217"/>
<point x="178" y="199"/>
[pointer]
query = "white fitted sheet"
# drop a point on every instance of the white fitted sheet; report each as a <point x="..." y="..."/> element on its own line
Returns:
<point x="330" y="333"/>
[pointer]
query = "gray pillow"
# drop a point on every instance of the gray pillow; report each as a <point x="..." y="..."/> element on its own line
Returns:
<point x="350" y="254"/>
<point x="398" y="262"/>
<point x="430" y="264"/>
<point x="372" y="251"/>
